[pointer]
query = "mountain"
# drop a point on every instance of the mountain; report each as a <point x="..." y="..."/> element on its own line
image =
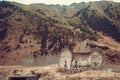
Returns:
<point x="76" y="5"/>
<point x="102" y="16"/>
<point x="36" y="30"/>
<point x="60" y="10"/>
<point x="105" y="14"/>
<point x="24" y="32"/>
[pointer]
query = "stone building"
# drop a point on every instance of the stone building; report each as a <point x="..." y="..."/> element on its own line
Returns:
<point x="79" y="61"/>
<point x="65" y="59"/>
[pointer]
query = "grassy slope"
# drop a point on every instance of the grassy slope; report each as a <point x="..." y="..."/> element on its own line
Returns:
<point x="101" y="16"/>
<point x="23" y="29"/>
<point x="30" y="29"/>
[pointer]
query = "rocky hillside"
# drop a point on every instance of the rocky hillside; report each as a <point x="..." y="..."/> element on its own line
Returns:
<point x="40" y="29"/>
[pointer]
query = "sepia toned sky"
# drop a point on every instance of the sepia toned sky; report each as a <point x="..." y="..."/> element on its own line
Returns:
<point x="66" y="2"/>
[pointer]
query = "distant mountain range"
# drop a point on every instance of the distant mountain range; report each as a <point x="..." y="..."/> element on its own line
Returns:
<point x="101" y="16"/>
<point x="40" y="29"/>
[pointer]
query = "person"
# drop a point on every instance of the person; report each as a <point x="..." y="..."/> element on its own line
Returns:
<point x="76" y="66"/>
<point x="65" y="66"/>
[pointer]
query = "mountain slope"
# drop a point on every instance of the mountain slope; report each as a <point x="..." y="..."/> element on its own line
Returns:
<point x="102" y="16"/>
<point x="25" y="33"/>
<point x="29" y="32"/>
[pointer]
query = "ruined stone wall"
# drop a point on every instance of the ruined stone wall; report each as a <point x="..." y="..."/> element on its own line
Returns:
<point x="65" y="59"/>
<point x="83" y="46"/>
<point x="96" y="59"/>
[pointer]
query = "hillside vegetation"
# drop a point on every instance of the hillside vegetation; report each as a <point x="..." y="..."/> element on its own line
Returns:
<point x="40" y="29"/>
<point x="102" y="16"/>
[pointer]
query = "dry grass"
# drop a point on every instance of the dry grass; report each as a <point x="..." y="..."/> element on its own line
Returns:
<point x="52" y="73"/>
<point x="108" y="41"/>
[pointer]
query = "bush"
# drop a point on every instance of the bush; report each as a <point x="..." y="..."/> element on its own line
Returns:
<point x="92" y="45"/>
<point x="93" y="38"/>
<point x="104" y="47"/>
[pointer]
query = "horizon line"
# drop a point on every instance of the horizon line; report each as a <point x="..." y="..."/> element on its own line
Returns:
<point x="57" y="3"/>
